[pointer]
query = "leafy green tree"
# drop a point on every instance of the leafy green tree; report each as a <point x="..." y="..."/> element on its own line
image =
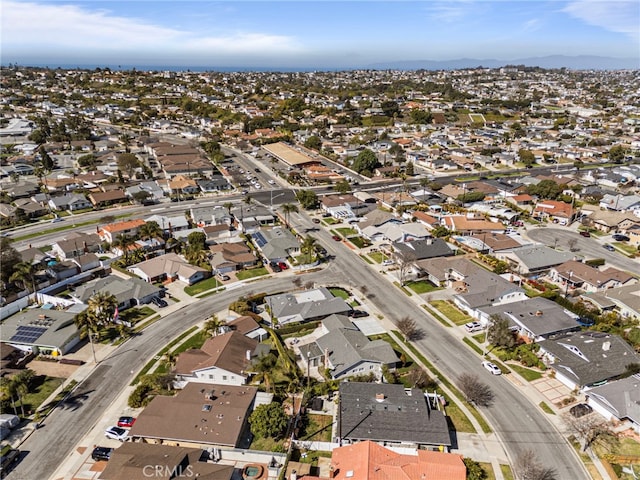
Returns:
<point x="313" y="142"/>
<point x="263" y="369"/>
<point x="342" y="186"/>
<point x="526" y="156"/>
<point x="268" y="421"/>
<point x="141" y="196"/>
<point x="128" y="162"/>
<point x="25" y="274"/>
<point x="409" y="170"/>
<point x="211" y="327"/>
<point x="150" y="230"/>
<point x="440" y="231"/>
<point x="123" y="242"/>
<point x="197" y="240"/>
<point x="420" y="117"/>
<point x="474" y="470"/>
<point x="470" y="197"/>
<point x="309" y="245"/>
<point x="498" y="332"/>
<point x="308" y="199"/>
<point x="8" y="391"/>
<point x="547" y="189"/>
<point x="617" y="153"/>
<point x="366" y="162"/>
<point x="390" y="108"/>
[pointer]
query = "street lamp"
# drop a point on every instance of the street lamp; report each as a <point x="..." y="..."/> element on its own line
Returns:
<point x="308" y="368"/>
<point x="272" y="197"/>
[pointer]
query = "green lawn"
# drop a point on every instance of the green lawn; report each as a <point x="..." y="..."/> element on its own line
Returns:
<point x="546" y="408"/>
<point x="318" y="429"/>
<point x="506" y="472"/>
<point x="528" y="374"/>
<point x="254" y="272"/>
<point x="42" y="388"/>
<point x="359" y="242"/>
<point x="460" y="421"/>
<point x="134" y="315"/>
<point x="450" y="311"/>
<point x="340" y="292"/>
<point x="377" y="257"/>
<point x="329" y="221"/>
<point x="629" y="250"/>
<point x="203" y="286"/>
<point x="346" y="231"/>
<point x="422" y="286"/>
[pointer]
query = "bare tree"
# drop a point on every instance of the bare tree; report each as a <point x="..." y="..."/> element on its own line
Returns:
<point x="572" y="242"/>
<point x="297" y="281"/>
<point x="409" y="328"/>
<point x="528" y="467"/>
<point x="419" y="378"/>
<point x="474" y="390"/>
<point x="309" y="285"/>
<point x="592" y="430"/>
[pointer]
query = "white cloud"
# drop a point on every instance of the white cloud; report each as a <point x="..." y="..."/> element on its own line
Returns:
<point x="57" y="27"/>
<point x="616" y="16"/>
<point x="448" y="11"/>
<point x="532" y="25"/>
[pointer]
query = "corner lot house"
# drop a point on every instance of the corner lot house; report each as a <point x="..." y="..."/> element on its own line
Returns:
<point x="199" y="416"/>
<point x="305" y="305"/>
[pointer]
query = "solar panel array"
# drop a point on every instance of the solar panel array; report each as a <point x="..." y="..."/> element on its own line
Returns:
<point x="259" y="239"/>
<point x="27" y="334"/>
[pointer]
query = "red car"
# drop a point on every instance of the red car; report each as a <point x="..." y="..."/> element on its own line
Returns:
<point x="126" y="422"/>
<point x="336" y="238"/>
<point x="283" y="265"/>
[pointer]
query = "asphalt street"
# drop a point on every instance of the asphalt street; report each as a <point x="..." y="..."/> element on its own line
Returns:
<point x="592" y="247"/>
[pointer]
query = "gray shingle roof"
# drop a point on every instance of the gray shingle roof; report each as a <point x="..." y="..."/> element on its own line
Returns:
<point x="399" y="416"/>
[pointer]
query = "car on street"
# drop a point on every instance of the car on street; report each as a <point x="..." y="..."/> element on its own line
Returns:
<point x="492" y="367"/>
<point x="126" y="421"/>
<point x="472" y="327"/>
<point x="271" y="182"/>
<point x="336" y="238"/>
<point x="387" y="262"/>
<point x="8" y="459"/>
<point x="101" y="453"/>
<point x="316" y="220"/>
<point x="609" y="247"/>
<point x="159" y="302"/>
<point x="585" y="234"/>
<point x="57" y="219"/>
<point x="116" y="433"/>
<point x="618" y="237"/>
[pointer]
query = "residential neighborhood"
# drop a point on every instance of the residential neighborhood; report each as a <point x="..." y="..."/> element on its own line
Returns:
<point x="258" y="275"/>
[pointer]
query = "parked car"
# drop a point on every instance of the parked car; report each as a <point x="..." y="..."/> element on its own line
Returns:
<point x="609" y="247"/>
<point x="224" y="277"/>
<point x="387" y="262"/>
<point x="492" y="368"/>
<point x="276" y="268"/>
<point x="336" y="238"/>
<point x="472" y="327"/>
<point x="283" y="265"/>
<point x="9" y="458"/>
<point x="126" y="422"/>
<point x="57" y="219"/>
<point x="585" y="234"/>
<point x="618" y="237"/>
<point x="101" y="453"/>
<point x="159" y="302"/>
<point x="357" y="313"/>
<point x="580" y="410"/>
<point x="316" y="220"/>
<point x="116" y="433"/>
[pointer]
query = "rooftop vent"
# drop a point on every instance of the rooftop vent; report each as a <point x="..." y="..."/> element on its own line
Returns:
<point x="380" y="397"/>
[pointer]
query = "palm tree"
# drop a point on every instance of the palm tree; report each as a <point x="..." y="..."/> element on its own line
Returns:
<point x="87" y="326"/>
<point x="309" y="245"/>
<point x="248" y="200"/>
<point x="22" y="382"/>
<point x="212" y="326"/>
<point x="228" y="206"/>
<point x="263" y="369"/>
<point x="123" y="242"/>
<point x="102" y="306"/>
<point x="25" y="273"/>
<point x="8" y="391"/>
<point x="288" y="209"/>
<point x="150" y="230"/>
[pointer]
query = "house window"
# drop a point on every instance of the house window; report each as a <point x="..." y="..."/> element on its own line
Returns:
<point x="210" y="377"/>
<point x="224" y="377"/>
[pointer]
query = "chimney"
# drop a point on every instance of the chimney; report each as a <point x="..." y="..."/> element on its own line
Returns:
<point x="606" y="346"/>
<point x="332" y="472"/>
<point x="294" y="475"/>
<point x="538" y="313"/>
<point x="248" y="355"/>
<point x="380" y="397"/>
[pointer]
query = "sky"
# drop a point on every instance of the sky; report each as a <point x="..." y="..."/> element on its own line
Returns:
<point x="332" y="34"/>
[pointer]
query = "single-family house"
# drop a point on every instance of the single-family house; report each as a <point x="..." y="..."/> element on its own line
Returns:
<point x="618" y="401"/>
<point x="625" y="300"/>
<point x="229" y="257"/>
<point x="41" y="331"/>
<point x="76" y="244"/>
<point x="110" y="197"/>
<point x="345" y="351"/>
<point x="168" y="267"/>
<point x="533" y="259"/>
<point x="391" y="415"/>
<point x="555" y="211"/>
<point x="582" y="360"/>
<point x="578" y="275"/>
<point x="220" y="413"/>
<point x="471" y="225"/>
<point x="276" y="244"/>
<point x="248" y="327"/>
<point x="223" y="359"/>
<point x="69" y="201"/>
<point x="305" y="305"/>
<point x="421" y="249"/>
<point x="129" y="292"/>
<point x="128" y="228"/>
